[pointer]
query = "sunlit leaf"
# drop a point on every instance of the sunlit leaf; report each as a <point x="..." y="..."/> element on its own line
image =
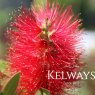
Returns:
<point x="2" y="65"/>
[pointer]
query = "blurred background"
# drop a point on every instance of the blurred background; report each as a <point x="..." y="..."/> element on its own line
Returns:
<point x="87" y="10"/>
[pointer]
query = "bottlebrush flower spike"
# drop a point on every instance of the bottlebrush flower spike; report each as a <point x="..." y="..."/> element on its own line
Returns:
<point x="43" y="40"/>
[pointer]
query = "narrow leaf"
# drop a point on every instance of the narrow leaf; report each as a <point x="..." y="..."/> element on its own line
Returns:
<point x="43" y="90"/>
<point x="11" y="86"/>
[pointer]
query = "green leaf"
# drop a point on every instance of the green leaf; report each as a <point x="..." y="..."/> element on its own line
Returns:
<point x="2" y="65"/>
<point x="1" y="93"/>
<point x="11" y="86"/>
<point x="38" y="92"/>
<point x="43" y="90"/>
<point x="4" y="16"/>
<point x="39" y="3"/>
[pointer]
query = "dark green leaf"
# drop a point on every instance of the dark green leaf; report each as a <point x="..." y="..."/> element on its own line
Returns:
<point x="1" y="93"/>
<point x="11" y="86"/>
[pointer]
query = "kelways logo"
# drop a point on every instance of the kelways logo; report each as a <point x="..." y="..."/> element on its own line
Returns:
<point x="71" y="75"/>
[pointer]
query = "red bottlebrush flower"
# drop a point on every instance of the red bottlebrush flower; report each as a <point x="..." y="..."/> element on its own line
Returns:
<point x="43" y="40"/>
